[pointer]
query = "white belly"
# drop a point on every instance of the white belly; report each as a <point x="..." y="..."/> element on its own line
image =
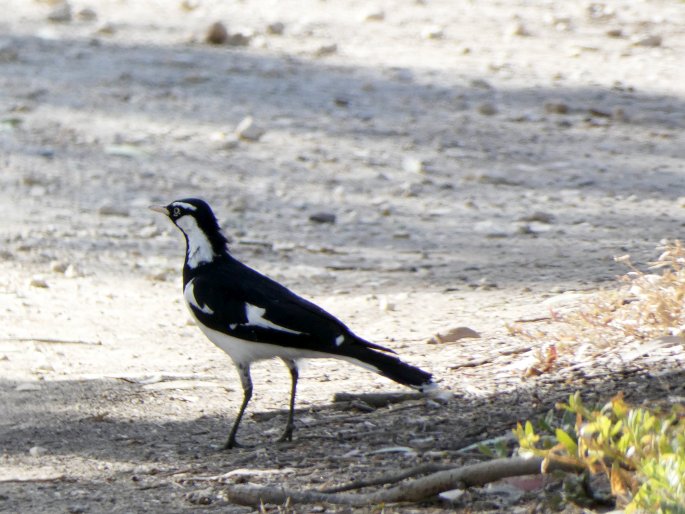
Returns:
<point x="244" y="352"/>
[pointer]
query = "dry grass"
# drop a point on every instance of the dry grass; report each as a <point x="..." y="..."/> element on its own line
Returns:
<point x="644" y="306"/>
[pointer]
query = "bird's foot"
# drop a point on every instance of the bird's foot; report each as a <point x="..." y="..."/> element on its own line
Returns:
<point x="232" y="443"/>
<point x="287" y="435"/>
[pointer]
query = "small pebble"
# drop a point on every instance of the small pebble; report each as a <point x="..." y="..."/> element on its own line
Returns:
<point x="487" y="109"/>
<point x="248" y="131"/>
<point x="517" y="29"/>
<point x="452" y="496"/>
<point x="72" y="272"/>
<point x="413" y="165"/>
<point x="60" y="13"/>
<point x="38" y="281"/>
<point x="276" y="28"/>
<point x="239" y="39"/>
<point x="647" y="40"/>
<point x="325" y="50"/>
<point x="87" y="14"/>
<point x="481" y="84"/>
<point x="385" y="305"/>
<point x="190" y="5"/>
<point x="37" y="451"/>
<point x="432" y="32"/>
<point x="322" y="217"/>
<point x="615" y="33"/>
<point x="556" y="107"/>
<point x="540" y="217"/>
<point x="375" y="15"/>
<point x="58" y="266"/>
<point x="216" y="34"/>
<point x="106" y="29"/>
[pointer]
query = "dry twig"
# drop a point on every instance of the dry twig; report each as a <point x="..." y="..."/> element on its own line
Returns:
<point x="416" y="490"/>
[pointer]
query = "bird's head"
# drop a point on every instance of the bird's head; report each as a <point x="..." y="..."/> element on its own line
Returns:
<point x="194" y="217"/>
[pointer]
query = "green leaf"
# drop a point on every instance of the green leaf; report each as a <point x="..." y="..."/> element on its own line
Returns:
<point x="568" y="442"/>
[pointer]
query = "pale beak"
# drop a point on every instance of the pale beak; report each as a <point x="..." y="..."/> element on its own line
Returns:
<point x="159" y="208"/>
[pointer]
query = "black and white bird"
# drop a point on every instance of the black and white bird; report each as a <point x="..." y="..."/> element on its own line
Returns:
<point x="251" y="317"/>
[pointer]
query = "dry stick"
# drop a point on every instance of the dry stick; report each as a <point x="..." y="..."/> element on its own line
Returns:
<point x="487" y="360"/>
<point x="416" y="490"/>
<point x="388" y="478"/>
<point x="377" y="399"/>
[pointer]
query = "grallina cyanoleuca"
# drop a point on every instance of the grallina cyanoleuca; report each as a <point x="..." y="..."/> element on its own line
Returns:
<point x="251" y="317"/>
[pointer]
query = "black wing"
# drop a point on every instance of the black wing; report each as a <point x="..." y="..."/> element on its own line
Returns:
<point x="241" y="302"/>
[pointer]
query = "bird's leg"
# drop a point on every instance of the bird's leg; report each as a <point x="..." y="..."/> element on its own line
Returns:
<point x="246" y="380"/>
<point x="294" y="375"/>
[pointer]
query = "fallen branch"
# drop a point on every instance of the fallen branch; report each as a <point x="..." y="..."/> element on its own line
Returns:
<point x="377" y="399"/>
<point x="416" y="490"/>
<point x="388" y="478"/>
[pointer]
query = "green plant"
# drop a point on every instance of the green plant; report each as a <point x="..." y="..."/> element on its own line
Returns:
<point x="641" y="450"/>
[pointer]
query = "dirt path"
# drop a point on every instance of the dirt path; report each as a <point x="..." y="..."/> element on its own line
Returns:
<point x="478" y="158"/>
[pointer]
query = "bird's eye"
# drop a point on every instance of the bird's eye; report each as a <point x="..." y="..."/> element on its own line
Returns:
<point x="177" y="212"/>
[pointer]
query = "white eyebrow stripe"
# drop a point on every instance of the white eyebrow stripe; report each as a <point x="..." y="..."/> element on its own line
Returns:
<point x="189" y="295"/>
<point x="188" y="206"/>
<point x="255" y="316"/>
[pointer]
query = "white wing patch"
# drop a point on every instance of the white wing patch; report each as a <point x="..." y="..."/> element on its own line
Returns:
<point x="255" y="317"/>
<point x="339" y="340"/>
<point x="199" y="248"/>
<point x="189" y="296"/>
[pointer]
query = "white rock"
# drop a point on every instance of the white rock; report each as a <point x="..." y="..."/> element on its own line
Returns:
<point x="413" y="165"/>
<point x="72" y="272"/>
<point x="37" y="451"/>
<point x="452" y="496"/>
<point x="432" y="32"/>
<point x="385" y="305"/>
<point x="248" y="130"/>
<point x="38" y="281"/>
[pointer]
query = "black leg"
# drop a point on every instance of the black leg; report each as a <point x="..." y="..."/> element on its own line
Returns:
<point x="294" y="375"/>
<point x="244" y="372"/>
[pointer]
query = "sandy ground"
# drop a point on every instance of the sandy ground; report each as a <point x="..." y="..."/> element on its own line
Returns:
<point x="480" y="159"/>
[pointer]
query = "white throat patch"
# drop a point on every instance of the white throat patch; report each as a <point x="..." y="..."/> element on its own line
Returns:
<point x="199" y="248"/>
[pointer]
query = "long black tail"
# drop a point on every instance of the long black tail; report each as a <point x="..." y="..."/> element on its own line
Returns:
<point x="390" y="366"/>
